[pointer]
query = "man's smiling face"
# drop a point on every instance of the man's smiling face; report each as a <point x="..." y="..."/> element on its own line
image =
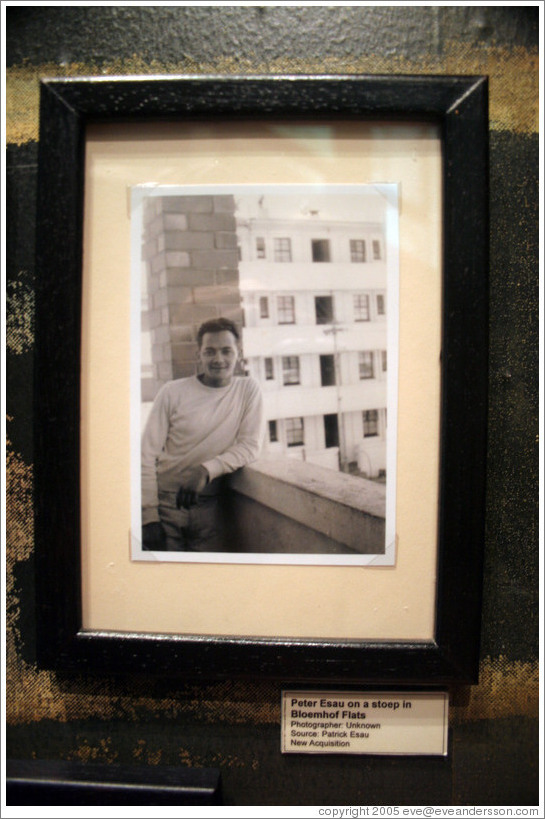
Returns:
<point x="218" y="355"/>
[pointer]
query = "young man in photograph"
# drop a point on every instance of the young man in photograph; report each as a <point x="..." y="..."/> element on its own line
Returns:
<point x="200" y="428"/>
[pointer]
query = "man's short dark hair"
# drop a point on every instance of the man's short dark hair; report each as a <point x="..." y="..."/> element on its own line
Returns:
<point x="218" y="325"/>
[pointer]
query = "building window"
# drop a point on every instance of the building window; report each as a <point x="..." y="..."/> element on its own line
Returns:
<point x="273" y="432"/>
<point x="370" y="423"/>
<point x="381" y="305"/>
<point x="357" y="250"/>
<point x="295" y="433"/>
<point x="324" y="309"/>
<point x="286" y="310"/>
<point x="263" y="307"/>
<point x="361" y="308"/>
<point x="376" y="250"/>
<point x="269" y="369"/>
<point x="384" y="357"/>
<point x="290" y="370"/>
<point x="327" y="370"/>
<point x="260" y="247"/>
<point x="366" y="365"/>
<point x="331" y="431"/>
<point x="282" y="249"/>
<point x="320" y="250"/>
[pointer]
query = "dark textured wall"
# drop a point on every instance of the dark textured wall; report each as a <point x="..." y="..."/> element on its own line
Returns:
<point x="260" y="33"/>
<point x="235" y="726"/>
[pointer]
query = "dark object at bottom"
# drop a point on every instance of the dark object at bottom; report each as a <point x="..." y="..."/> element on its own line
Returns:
<point x="53" y="782"/>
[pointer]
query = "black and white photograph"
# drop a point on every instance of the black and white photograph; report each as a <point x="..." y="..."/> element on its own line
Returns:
<point x="264" y="373"/>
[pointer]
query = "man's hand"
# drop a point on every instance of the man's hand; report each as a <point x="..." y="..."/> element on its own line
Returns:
<point x="153" y="537"/>
<point x="193" y="481"/>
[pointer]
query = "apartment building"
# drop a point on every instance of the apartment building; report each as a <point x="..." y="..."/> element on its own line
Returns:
<point x="314" y="298"/>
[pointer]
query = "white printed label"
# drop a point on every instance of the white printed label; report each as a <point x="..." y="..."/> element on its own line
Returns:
<point x="374" y="722"/>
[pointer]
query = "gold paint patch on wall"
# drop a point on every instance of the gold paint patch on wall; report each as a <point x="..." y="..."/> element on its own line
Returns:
<point x="19" y="516"/>
<point x="513" y="73"/>
<point x="101" y="752"/>
<point x="19" y="316"/>
<point x="506" y="688"/>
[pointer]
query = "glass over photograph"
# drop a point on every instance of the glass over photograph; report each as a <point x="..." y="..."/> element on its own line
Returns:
<point x="264" y="373"/>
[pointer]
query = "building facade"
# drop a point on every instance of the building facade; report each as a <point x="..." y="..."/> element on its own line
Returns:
<point x="314" y="298"/>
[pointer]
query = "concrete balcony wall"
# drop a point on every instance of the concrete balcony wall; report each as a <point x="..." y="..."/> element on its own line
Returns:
<point x="298" y="339"/>
<point x="290" y="506"/>
<point x="289" y="402"/>
<point x="323" y="276"/>
<point x="367" y="394"/>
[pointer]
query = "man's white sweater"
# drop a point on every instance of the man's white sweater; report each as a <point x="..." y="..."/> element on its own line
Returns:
<point x="220" y="428"/>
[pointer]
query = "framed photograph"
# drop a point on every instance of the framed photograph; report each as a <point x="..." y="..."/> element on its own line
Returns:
<point x="309" y="276"/>
<point x="261" y="376"/>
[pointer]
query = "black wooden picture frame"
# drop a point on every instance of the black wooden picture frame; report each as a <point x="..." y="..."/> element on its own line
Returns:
<point x="459" y="105"/>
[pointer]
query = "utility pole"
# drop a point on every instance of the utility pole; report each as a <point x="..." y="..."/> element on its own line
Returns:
<point x="334" y="330"/>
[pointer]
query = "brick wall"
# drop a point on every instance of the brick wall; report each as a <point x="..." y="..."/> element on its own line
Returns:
<point x="190" y="247"/>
